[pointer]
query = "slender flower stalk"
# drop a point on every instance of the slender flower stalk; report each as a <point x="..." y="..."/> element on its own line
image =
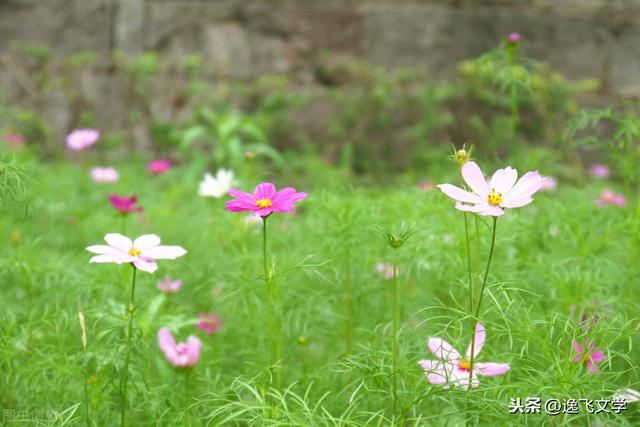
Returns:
<point x="269" y="302"/>
<point x="84" y="353"/>
<point x="124" y="378"/>
<point x="394" y="339"/>
<point x="484" y="283"/>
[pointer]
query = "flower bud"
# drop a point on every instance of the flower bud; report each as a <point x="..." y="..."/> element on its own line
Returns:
<point x="462" y="155"/>
<point x="513" y="38"/>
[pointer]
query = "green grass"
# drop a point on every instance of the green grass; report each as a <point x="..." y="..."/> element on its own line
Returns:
<point x="560" y="252"/>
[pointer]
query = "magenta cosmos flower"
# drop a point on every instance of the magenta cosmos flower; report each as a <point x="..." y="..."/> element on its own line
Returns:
<point x="453" y="369"/>
<point x="610" y="197"/>
<point x="264" y="200"/>
<point x="125" y="204"/>
<point x="491" y="197"/>
<point x="80" y="139"/>
<point x="514" y="38"/>
<point x="142" y="252"/>
<point x="159" y="166"/>
<point x="180" y="355"/>
<point x="104" y="175"/>
<point x="588" y="355"/>
<point x="168" y="285"/>
<point x="209" y="322"/>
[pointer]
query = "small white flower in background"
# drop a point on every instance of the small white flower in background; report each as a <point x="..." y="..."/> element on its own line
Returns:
<point x="216" y="187"/>
<point x="102" y="175"/>
<point x="629" y="395"/>
<point x="250" y="220"/>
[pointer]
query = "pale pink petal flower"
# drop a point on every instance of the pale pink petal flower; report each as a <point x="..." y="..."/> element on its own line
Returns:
<point x="489" y="198"/>
<point x="104" y="175"/>
<point x="168" y="285"/>
<point x="180" y="355"/>
<point x="80" y="139"/>
<point x="600" y="170"/>
<point x="610" y="197"/>
<point x="142" y="252"/>
<point x="453" y="370"/>
<point x="549" y="183"/>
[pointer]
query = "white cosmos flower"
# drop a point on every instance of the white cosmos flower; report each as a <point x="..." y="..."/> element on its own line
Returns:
<point x="218" y="186"/>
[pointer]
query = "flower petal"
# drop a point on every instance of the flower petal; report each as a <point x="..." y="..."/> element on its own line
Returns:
<point x="597" y="356"/>
<point x="193" y="350"/>
<point x="144" y="264"/>
<point x="146" y="241"/>
<point x="119" y="241"/>
<point x="527" y="185"/>
<point x="592" y="367"/>
<point x="435" y="371"/>
<point x="459" y="194"/>
<point x="442" y="349"/>
<point x="104" y="250"/>
<point x="516" y="202"/>
<point x="475" y="180"/>
<point x="241" y="195"/>
<point x="489" y="369"/>
<point x="236" y="205"/>
<point x="266" y="190"/>
<point x="503" y="179"/>
<point x="115" y="258"/>
<point x="576" y="347"/>
<point x="479" y="341"/>
<point x="492" y="211"/>
<point x="164" y="252"/>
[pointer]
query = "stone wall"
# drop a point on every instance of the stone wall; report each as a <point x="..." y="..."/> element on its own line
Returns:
<point x="582" y="38"/>
<point x="247" y="38"/>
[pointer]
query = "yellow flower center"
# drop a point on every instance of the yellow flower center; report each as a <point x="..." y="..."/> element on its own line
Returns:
<point x="494" y="198"/>
<point x="464" y="365"/>
<point x="135" y="252"/>
<point x="263" y="203"/>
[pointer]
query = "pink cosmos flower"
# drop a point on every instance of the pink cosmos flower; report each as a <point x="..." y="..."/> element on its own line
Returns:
<point x="600" y="170"/>
<point x="102" y="175"/>
<point x="514" y="38"/>
<point x="80" y="139"/>
<point x="610" y="197"/>
<point x="452" y="369"/>
<point x="549" y="183"/>
<point x="588" y="355"/>
<point x="159" y="166"/>
<point x="125" y="204"/>
<point x="142" y="252"/>
<point x="209" y="322"/>
<point x="180" y="355"/>
<point x="491" y="197"/>
<point x="168" y="285"/>
<point x="264" y="200"/>
<point x="14" y="140"/>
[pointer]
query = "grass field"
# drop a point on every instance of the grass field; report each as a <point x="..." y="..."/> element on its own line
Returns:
<point x="556" y="260"/>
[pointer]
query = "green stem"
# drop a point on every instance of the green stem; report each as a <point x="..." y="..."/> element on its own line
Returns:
<point x="187" y="376"/>
<point x="348" y="335"/>
<point x="86" y="393"/>
<point x="477" y="311"/>
<point x="394" y="338"/>
<point x="466" y="235"/>
<point x="273" y="368"/>
<point x="513" y="97"/>
<point x="125" y="372"/>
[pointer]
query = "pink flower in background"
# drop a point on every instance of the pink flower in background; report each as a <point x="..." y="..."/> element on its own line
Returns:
<point x="600" y="170"/>
<point x="453" y="369"/>
<point x="125" y="204"/>
<point x="159" y="166"/>
<point x="14" y="140"/>
<point x="588" y="355"/>
<point x="514" y="38"/>
<point x="168" y="285"/>
<point x="426" y="185"/>
<point x="142" y="252"/>
<point x="209" y="322"/>
<point x="386" y="270"/>
<point x="180" y="355"/>
<point x="80" y="139"/>
<point x="103" y="175"/>
<point x="549" y="183"/>
<point x="491" y="197"/>
<point x="610" y="197"/>
<point x="264" y="200"/>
